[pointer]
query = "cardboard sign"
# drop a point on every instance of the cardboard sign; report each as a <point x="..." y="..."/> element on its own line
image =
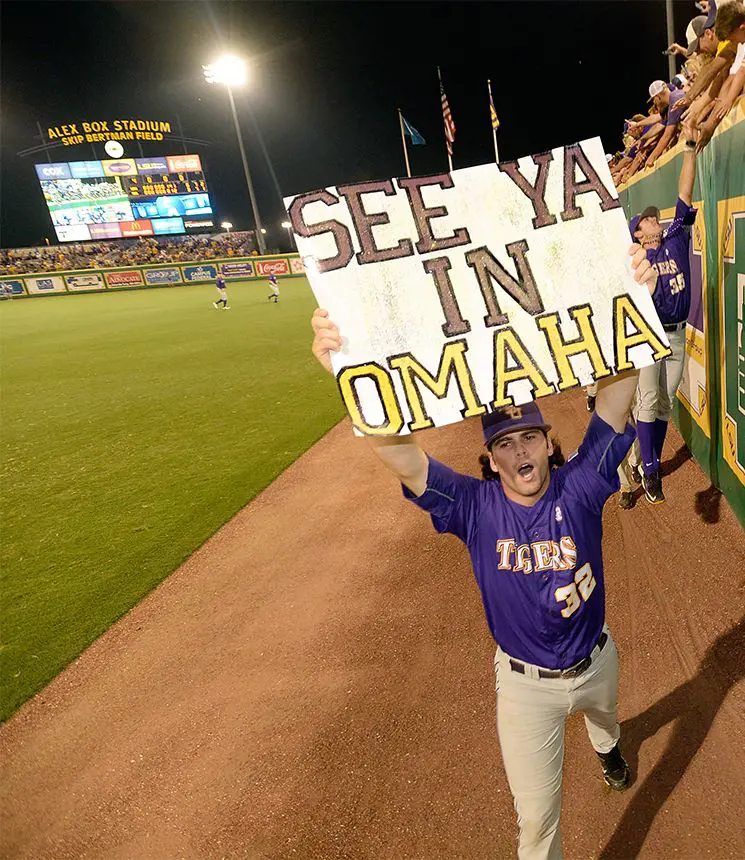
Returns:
<point x="460" y="293"/>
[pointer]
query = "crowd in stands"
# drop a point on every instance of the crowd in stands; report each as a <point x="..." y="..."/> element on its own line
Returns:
<point x="711" y="81"/>
<point x="126" y="252"/>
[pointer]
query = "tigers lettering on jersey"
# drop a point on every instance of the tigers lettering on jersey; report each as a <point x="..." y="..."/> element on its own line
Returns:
<point x="537" y="556"/>
<point x="666" y="267"/>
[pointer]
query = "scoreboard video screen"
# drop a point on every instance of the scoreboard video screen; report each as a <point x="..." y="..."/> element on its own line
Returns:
<point x="126" y="197"/>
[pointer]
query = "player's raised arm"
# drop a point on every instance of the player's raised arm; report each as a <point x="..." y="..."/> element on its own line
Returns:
<point x="616" y="392"/>
<point x="401" y="455"/>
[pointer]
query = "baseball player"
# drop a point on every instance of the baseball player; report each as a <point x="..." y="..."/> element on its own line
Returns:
<point x="534" y="531"/>
<point x="223" y="292"/>
<point x="274" y="287"/>
<point x="668" y="254"/>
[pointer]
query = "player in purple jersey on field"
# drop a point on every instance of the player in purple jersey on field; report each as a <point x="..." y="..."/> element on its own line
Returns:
<point x="223" y="293"/>
<point x="668" y="253"/>
<point x="274" y="287"/>
<point x="533" y="529"/>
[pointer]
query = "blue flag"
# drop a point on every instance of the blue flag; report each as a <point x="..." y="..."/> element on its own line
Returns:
<point x="409" y="129"/>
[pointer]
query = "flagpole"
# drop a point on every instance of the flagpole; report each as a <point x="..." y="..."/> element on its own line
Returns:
<point x="403" y="141"/>
<point x="493" y="130"/>
<point x="447" y="146"/>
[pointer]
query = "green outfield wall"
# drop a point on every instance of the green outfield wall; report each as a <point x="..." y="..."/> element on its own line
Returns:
<point x="710" y="410"/>
<point x="143" y="277"/>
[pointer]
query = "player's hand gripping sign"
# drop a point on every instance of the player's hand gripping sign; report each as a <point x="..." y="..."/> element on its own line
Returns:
<point x="491" y="286"/>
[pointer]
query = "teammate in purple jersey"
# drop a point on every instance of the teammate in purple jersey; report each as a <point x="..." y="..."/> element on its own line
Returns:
<point x="534" y="534"/>
<point x="222" y="291"/>
<point x="668" y="252"/>
<point x="274" y="287"/>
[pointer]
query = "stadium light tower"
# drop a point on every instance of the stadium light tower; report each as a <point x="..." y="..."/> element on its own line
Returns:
<point x="231" y="72"/>
<point x="287" y="226"/>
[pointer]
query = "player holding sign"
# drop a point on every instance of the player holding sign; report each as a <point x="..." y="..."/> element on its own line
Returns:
<point x="534" y="532"/>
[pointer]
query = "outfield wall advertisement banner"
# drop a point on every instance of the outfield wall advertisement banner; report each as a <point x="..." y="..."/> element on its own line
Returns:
<point x="710" y="411"/>
<point x="196" y="274"/>
<point x="486" y="278"/>
<point x="136" y="277"/>
<point x="132" y="278"/>
<point x="156" y="277"/>
<point x="273" y="267"/>
<point x="237" y="270"/>
<point x="94" y="281"/>
<point x="14" y="287"/>
<point x="45" y="285"/>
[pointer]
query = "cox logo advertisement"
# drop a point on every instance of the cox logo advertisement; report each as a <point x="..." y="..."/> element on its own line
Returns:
<point x="14" y="288"/>
<point x="200" y="273"/>
<point x="237" y="270"/>
<point x="120" y="167"/>
<point x="94" y="281"/>
<point x="273" y="267"/>
<point x="154" y="277"/>
<point x="124" y="279"/>
<point x="53" y="171"/>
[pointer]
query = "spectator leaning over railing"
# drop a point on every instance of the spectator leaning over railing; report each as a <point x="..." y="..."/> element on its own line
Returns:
<point x="699" y="100"/>
<point x="642" y="134"/>
<point x="729" y="29"/>
<point x="670" y="105"/>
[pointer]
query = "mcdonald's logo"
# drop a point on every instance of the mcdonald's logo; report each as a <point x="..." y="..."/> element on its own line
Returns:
<point x="141" y="227"/>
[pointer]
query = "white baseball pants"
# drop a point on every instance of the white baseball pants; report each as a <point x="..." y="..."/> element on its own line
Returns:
<point x="531" y="714"/>
<point x="658" y="382"/>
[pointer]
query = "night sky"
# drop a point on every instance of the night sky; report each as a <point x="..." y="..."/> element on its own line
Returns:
<point x="326" y="79"/>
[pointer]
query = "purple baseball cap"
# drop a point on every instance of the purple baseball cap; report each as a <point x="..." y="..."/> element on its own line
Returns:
<point x="512" y="418"/>
<point x="649" y="212"/>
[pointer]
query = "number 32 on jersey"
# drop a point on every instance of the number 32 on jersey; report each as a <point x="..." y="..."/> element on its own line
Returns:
<point x="577" y="591"/>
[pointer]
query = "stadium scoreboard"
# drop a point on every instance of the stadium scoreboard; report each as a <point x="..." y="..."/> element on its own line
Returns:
<point x="126" y="197"/>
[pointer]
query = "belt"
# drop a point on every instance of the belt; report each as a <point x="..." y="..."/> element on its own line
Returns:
<point x="571" y="672"/>
<point x="674" y="326"/>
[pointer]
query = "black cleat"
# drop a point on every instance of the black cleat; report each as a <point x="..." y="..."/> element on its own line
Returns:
<point x="626" y="500"/>
<point x="636" y="474"/>
<point x="653" y="488"/>
<point x="616" y="772"/>
<point x="590" y="403"/>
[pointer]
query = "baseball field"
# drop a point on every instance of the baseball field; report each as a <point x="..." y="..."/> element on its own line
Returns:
<point x="133" y="427"/>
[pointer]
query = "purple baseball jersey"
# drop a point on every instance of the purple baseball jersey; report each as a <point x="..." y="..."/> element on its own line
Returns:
<point x="671" y="261"/>
<point x="540" y="568"/>
<point x="674" y="112"/>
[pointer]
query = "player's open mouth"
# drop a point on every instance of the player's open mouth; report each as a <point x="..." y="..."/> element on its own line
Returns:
<point x="526" y="470"/>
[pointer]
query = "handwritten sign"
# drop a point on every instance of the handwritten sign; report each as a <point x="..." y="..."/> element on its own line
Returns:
<point x="460" y="293"/>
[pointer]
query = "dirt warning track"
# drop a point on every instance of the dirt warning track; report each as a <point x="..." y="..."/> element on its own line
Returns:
<point x="317" y="682"/>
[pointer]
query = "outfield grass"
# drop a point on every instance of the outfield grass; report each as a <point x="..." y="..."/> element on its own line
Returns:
<point x="132" y="427"/>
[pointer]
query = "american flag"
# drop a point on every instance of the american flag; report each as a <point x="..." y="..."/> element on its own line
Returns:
<point x="447" y="118"/>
